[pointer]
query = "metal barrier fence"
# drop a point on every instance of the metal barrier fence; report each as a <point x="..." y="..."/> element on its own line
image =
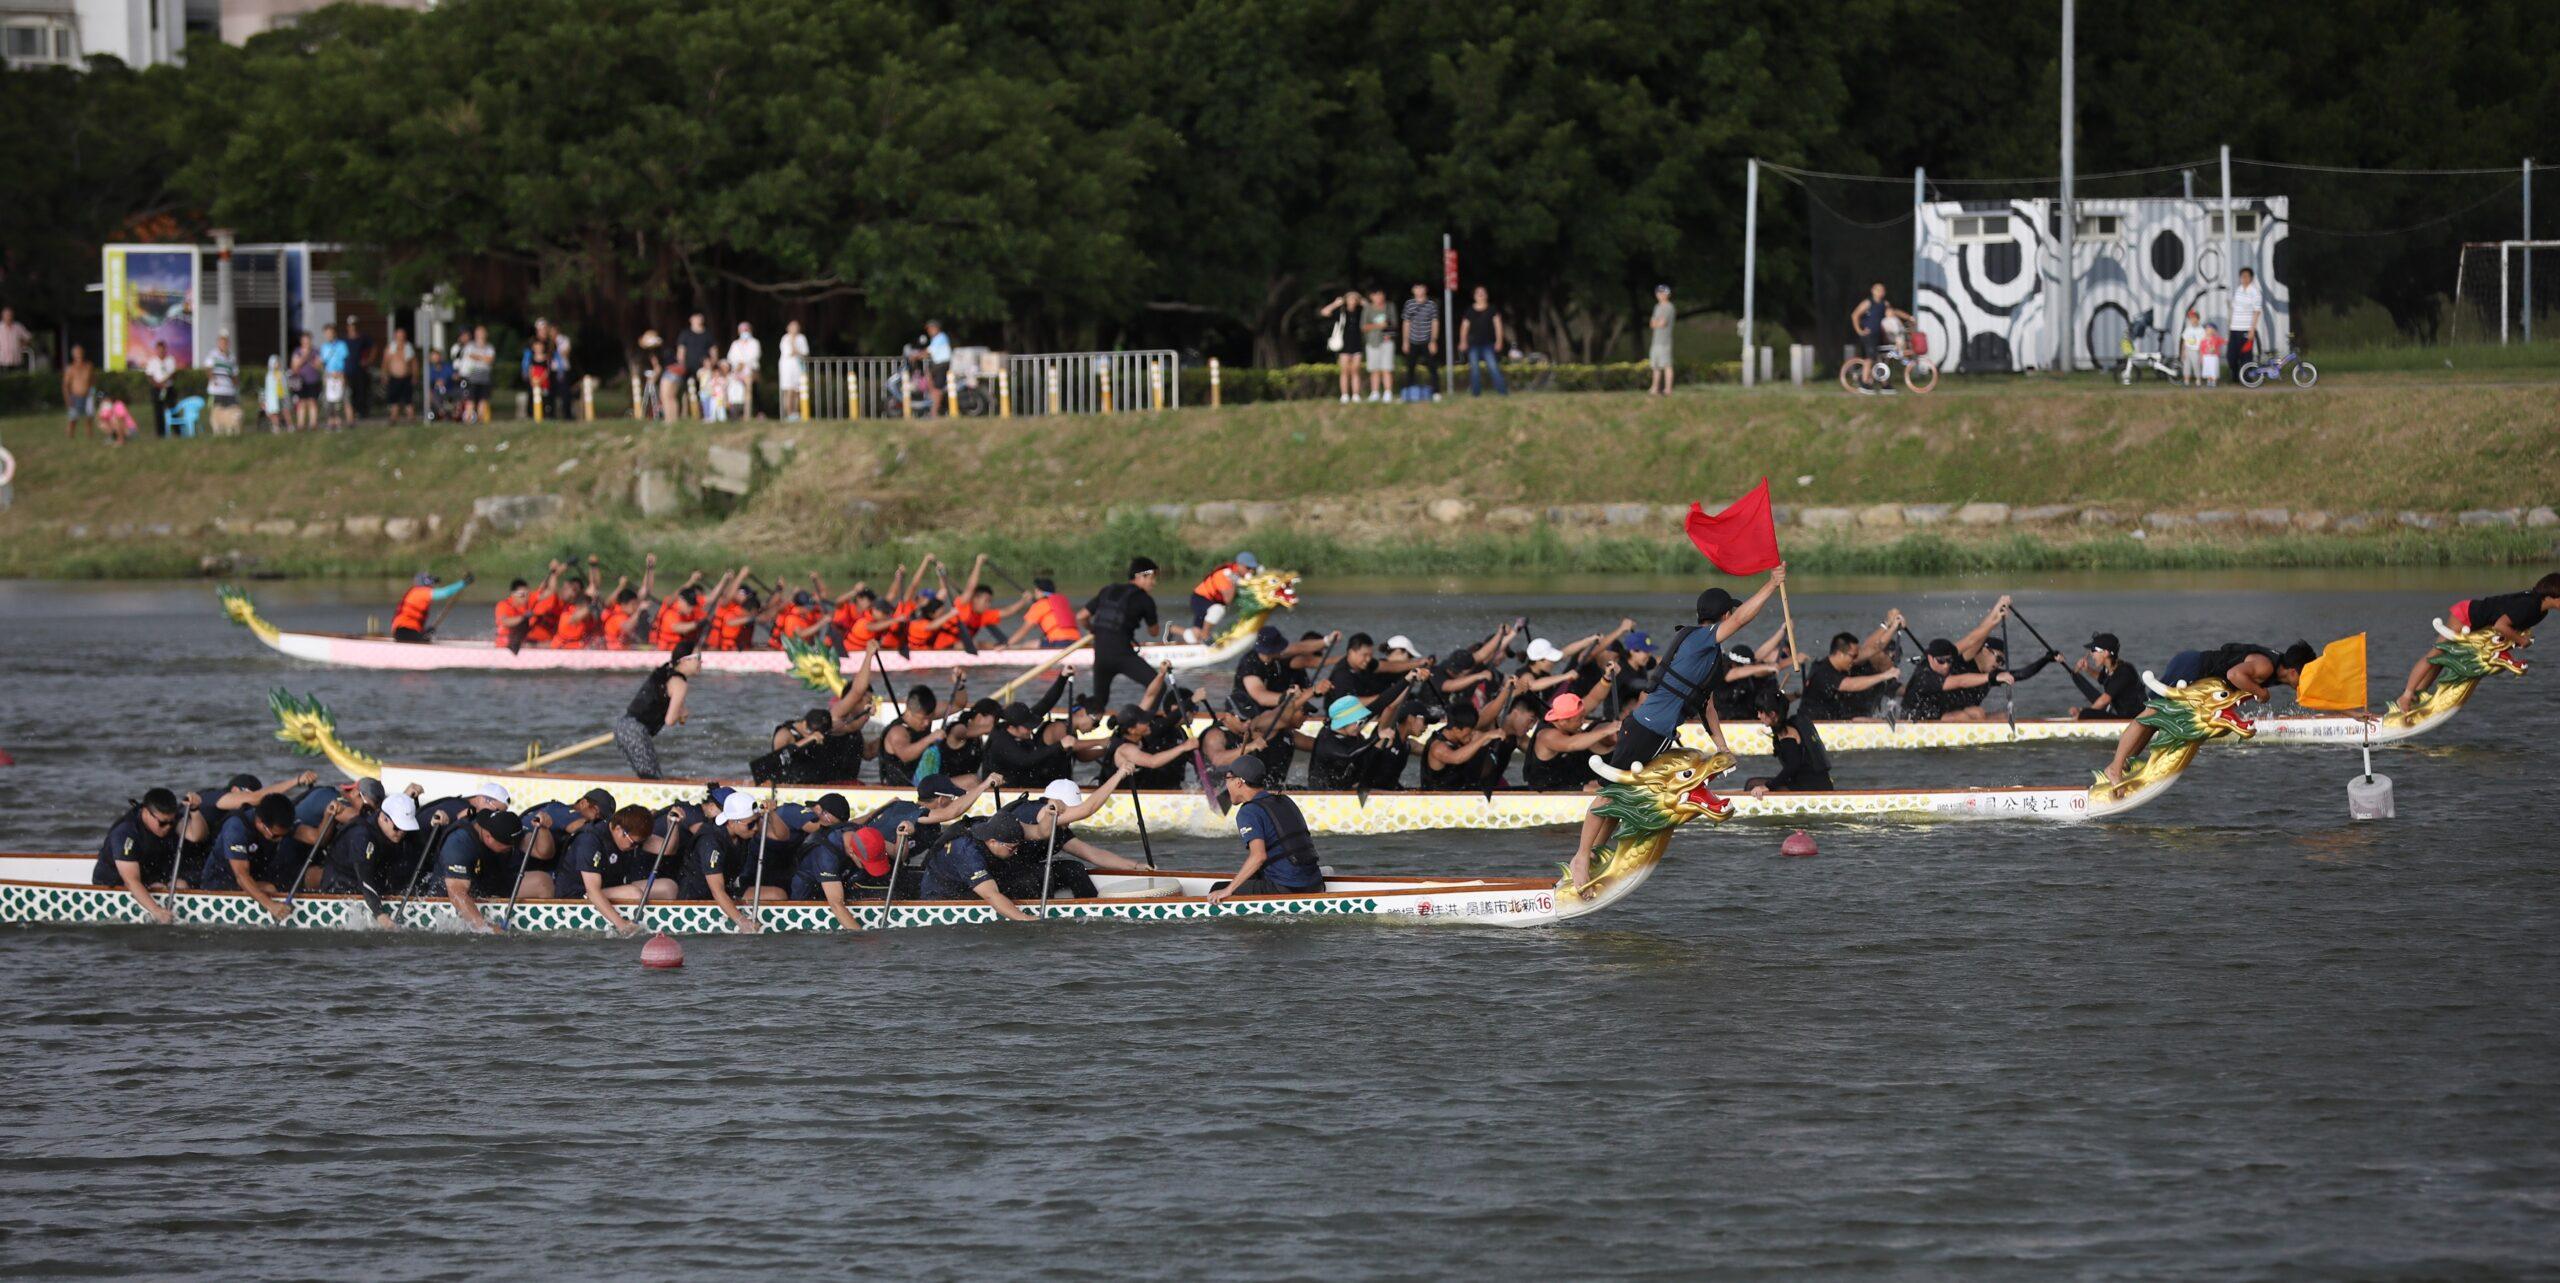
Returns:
<point x="983" y="384"/>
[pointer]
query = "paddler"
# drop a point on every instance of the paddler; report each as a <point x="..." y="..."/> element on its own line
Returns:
<point x="1279" y="851"/>
<point x="680" y="621"/>
<point x="1949" y="683"/>
<point x="2249" y="669"/>
<point x="659" y="703"/>
<point x="1455" y="759"/>
<point x="140" y="853"/>
<point x="1118" y="614"/>
<point x="1834" y="689"/>
<point x="1152" y="768"/>
<point x="578" y="624"/>
<point x="1684" y="682"/>
<point x="1803" y="764"/>
<point x="842" y="863"/>
<point x="478" y="859"/>
<point x="964" y="866"/>
<point x="1049" y="621"/>
<point x="2113" y="686"/>
<point x="1217" y="591"/>
<point x="726" y="850"/>
<point x="247" y="853"/>
<point x="411" y="622"/>
<point x="909" y="738"/>
<point x="2513" y="616"/>
<point x="549" y="829"/>
<point x="1560" y="753"/>
<point x="606" y="866"/>
<point x="800" y="619"/>
<point x="1064" y="865"/>
<point x="368" y="851"/>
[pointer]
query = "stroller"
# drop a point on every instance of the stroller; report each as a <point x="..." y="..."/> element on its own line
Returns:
<point x="2139" y="332"/>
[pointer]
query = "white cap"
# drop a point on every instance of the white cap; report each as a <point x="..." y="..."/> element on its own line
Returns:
<point x="403" y="810"/>
<point x="737" y="806"/>
<point x="493" y="791"/>
<point x="1064" y="793"/>
<point x="1402" y="643"/>
<point x="1542" y="649"/>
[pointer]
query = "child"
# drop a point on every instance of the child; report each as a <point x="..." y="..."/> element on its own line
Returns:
<point x="2191" y="350"/>
<point x="271" y="395"/>
<point x="440" y="388"/>
<point x="711" y="391"/>
<point x="116" y="422"/>
<point x="737" y="391"/>
<point x="537" y="375"/>
<point x="2209" y="350"/>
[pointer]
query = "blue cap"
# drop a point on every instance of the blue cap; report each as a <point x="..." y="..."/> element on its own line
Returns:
<point x="1345" y="712"/>
<point x="1638" y="643"/>
<point x="1248" y="561"/>
<point x="927" y="595"/>
<point x="1270" y="641"/>
<point x="424" y="580"/>
<point x="936" y="785"/>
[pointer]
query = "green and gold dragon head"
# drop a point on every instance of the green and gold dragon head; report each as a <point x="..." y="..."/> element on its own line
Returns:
<point x="2460" y="660"/>
<point x="1258" y="593"/>
<point x="237" y="607"/>
<point x="815" y="666"/>
<point x="312" y="730"/>
<point x="1648" y="803"/>
<point x="2182" y="719"/>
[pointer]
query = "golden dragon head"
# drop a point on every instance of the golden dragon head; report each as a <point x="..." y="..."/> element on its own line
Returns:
<point x="2181" y="718"/>
<point x="237" y="607"/>
<point x="815" y="666"/>
<point x="312" y="730"/>
<point x="2460" y="660"/>
<point x="1258" y="593"/>
<point x="1648" y="803"/>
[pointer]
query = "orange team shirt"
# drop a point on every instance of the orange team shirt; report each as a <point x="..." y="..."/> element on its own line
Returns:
<point x="576" y="625"/>
<point x="616" y="618"/>
<point x="546" y="617"/>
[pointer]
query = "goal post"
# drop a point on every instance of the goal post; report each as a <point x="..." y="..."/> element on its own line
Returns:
<point x="2486" y="277"/>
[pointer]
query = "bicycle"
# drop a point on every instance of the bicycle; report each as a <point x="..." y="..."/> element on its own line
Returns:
<point x="2304" y="373"/>
<point x="1919" y="373"/>
<point x="1530" y="371"/>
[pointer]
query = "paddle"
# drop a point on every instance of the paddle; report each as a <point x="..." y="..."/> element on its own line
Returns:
<point x="1138" y="804"/>
<point x="536" y="761"/>
<point x="2009" y="706"/>
<point x="449" y="604"/>
<point x="1056" y="658"/>
<point x="524" y="860"/>
<point x="1049" y="865"/>
<point x="897" y="861"/>
<point x="178" y="862"/>
<point x="417" y="875"/>
<point x="327" y="824"/>
<point x="1009" y="579"/>
<point x="666" y="840"/>
<point x="2088" y="690"/>
<point x="764" y="835"/>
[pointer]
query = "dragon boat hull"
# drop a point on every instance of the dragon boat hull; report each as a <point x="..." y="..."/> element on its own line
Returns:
<point x="36" y="889"/>
<point x="347" y="650"/>
<point x="1329" y="812"/>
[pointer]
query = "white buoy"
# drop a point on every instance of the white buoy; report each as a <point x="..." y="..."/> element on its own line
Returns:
<point x="2369" y="797"/>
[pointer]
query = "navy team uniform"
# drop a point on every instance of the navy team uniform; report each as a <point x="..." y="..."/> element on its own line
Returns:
<point x="955" y="871"/>
<point x="239" y="839"/>
<point x="592" y="851"/>
<point x="127" y="839"/>
<point x="1288" y="849"/>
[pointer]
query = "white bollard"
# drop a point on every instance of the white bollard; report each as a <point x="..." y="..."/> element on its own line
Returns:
<point x="2369" y="797"/>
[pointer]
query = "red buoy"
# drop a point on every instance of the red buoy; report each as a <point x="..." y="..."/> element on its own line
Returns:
<point x="5" y="759"/>
<point x="662" y="953"/>
<point x="1798" y="843"/>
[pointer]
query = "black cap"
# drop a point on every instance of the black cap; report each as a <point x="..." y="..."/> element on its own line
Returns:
<point x="835" y="804"/>
<point x="1018" y="713"/>
<point x="160" y="802"/>
<point x="502" y="826"/>
<point x="1132" y="715"/>
<point x="1140" y="565"/>
<point x="246" y="782"/>
<point x="1944" y="649"/>
<point x="1715" y="604"/>
<point x="2297" y="655"/>
<point x="600" y="800"/>
<point x="1247" y="768"/>
<point x="1045" y="583"/>
<point x="1270" y="641"/>
<point x="2106" y="642"/>
<point x="1000" y="828"/>
<point x="986" y="708"/>
<point x="804" y="598"/>
<point x="275" y="811"/>
<point x="936" y="785"/>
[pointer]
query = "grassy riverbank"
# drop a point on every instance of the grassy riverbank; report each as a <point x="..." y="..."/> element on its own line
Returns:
<point x="1538" y="484"/>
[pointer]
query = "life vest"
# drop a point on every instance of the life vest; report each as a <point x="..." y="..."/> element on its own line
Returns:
<point x="855" y="622"/>
<point x="617" y="618"/>
<point x="1221" y="584"/>
<point x="414" y="605"/>
<point x="731" y="626"/>
<point x="577" y="624"/>
<point x="1295" y="847"/>
<point x="1691" y="692"/>
<point x="543" y="616"/>
<point x="671" y="616"/>
<point x="789" y="622"/>
<point x="508" y="616"/>
<point x="1056" y="617"/>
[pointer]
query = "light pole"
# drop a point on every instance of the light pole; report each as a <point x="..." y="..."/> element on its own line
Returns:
<point x="2063" y="349"/>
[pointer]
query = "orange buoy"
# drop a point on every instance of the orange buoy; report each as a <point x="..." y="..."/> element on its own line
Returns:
<point x="1798" y="843"/>
<point x="662" y="953"/>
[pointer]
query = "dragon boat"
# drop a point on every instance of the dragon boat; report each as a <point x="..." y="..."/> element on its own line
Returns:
<point x="1650" y="804"/>
<point x="310" y="728"/>
<point x="1257" y="596"/>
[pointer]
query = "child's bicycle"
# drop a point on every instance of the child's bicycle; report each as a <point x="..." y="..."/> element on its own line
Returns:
<point x="1919" y="373"/>
<point x="2304" y="373"/>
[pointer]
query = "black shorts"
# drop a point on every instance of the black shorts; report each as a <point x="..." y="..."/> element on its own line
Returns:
<point x="398" y="391"/>
<point x="1870" y="343"/>
<point x="1636" y="746"/>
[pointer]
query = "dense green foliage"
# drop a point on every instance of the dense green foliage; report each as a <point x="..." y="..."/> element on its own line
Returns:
<point x="1203" y="173"/>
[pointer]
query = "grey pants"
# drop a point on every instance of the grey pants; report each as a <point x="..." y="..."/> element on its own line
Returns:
<point x="638" y="747"/>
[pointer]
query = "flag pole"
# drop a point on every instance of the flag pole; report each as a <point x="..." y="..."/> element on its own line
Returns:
<point x="1795" y="657"/>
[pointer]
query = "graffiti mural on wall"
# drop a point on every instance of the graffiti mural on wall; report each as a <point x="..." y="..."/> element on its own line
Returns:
<point x="1986" y="285"/>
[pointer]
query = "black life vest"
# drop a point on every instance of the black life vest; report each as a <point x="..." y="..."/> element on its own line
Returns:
<point x="1295" y="846"/>
<point x="1692" y="694"/>
<point x="1562" y="773"/>
<point x="2219" y="661"/>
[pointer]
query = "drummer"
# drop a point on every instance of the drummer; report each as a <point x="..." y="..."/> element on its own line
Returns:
<point x="140" y="853"/>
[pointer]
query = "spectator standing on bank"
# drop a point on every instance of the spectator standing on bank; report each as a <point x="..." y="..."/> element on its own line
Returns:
<point x="2248" y="317"/>
<point x="1658" y="352"/>
<point x="1378" y="337"/>
<point x="475" y="362"/>
<point x="746" y="357"/>
<point x="2191" y="350"/>
<point x="2209" y="351"/>
<point x="937" y="355"/>
<point x="272" y="397"/>
<point x="222" y="387"/>
<point x="1421" y="335"/>
<point x="362" y="359"/>
<point x="79" y="393"/>
<point x="1344" y="345"/>
<point x="1480" y="333"/>
<point x="695" y="343"/>
<point x="303" y="377"/>
<point x="399" y="376"/>
<point x="13" y="340"/>
<point x="335" y="360"/>
<point x="162" y="369"/>
<point x="791" y="369"/>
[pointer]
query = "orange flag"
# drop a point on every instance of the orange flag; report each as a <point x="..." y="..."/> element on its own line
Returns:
<point x="2335" y="681"/>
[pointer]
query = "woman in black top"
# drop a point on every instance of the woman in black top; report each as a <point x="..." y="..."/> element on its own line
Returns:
<point x="1803" y="765"/>
<point x="659" y="702"/>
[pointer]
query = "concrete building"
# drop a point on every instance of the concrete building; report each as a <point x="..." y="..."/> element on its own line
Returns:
<point x="242" y="19"/>
<point x="144" y="33"/>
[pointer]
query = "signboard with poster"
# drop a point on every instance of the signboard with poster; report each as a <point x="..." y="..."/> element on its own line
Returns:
<point x="150" y="300"/>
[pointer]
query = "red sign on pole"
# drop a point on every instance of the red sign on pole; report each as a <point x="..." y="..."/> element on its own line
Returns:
<point x="1449" y="269"/>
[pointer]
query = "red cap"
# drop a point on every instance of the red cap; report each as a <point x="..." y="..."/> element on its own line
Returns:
<point x="1566" y="706"/>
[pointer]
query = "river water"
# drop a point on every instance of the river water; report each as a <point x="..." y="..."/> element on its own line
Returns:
<point x="2233" y="1035"/>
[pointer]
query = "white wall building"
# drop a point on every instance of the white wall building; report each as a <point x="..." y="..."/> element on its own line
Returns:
<point x="144" y="33"/>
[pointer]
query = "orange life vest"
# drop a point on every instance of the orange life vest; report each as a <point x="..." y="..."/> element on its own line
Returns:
<point x="1056" y="617"/>
<point x="508" y="615"/>
<point x="672" y="616"/>
<point x="617" y="618"/>
<point x="414" y="605"/>
<point x="577" y="624"/>
<point x="731" y="627"/>
<point x="790" y="621"/>
<point x="1221" y="583"/>
<point x="925" y="634"/>
<point x="545" y="617"/>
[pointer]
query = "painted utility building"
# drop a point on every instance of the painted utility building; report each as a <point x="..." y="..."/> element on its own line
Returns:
<point x="1987" y="284"/>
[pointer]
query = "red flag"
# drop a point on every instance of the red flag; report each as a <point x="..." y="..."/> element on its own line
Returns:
<point x="1742" y="539"/>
